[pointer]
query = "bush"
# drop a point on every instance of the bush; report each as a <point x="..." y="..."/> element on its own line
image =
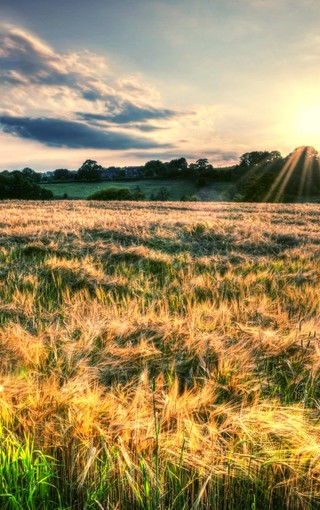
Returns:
<point x="189" y="198"/>
<point x="162" y="195"/>
<point x="117" y="194"/>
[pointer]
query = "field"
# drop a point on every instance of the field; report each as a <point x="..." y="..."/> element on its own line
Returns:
<point x="177" y="188"/>
<point x="159" y="356"/>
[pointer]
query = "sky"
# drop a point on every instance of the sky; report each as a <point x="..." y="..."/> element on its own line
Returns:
<point x="126" y="81"/>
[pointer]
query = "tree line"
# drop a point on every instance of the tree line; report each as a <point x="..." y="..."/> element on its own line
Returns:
<point x="259" y="176"/>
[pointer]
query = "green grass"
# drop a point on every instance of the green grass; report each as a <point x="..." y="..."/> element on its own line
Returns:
<point x="159" y="356"/>
<point x="177" y="188"/>
<point x="27" y="476"/>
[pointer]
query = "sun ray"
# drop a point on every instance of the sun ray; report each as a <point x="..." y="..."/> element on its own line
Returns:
<point x="305" y="172"/>
<point x="282" y="179"/>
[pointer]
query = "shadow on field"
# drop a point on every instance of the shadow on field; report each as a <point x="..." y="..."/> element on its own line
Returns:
<point x="199" y="242"/>
<point x="195" y="240"/>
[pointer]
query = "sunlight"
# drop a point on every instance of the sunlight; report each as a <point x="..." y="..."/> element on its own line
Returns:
<point x="299" y="115"/>
<point x="301" y="160"/>
<point x="307" y="125"/>
<point x="280" y="183"/>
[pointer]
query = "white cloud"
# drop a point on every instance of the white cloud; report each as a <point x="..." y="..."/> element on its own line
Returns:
<point x="82" y="94"/>
<point x="40" y="81"/>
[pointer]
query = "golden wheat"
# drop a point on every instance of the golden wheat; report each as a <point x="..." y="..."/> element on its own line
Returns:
<point x="166" y="342"/>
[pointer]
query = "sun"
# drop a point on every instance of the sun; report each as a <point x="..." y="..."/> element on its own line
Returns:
<point x="298" y="115"/>
<point x="308" y="122"/>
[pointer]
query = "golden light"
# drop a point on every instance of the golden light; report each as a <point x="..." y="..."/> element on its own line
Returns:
<point x="298" y="115"/>
<point x="308" y="124"/>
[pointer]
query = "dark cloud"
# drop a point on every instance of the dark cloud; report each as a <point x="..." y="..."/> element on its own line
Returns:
<point x="92" y="95"/>
<point x="93" y="117"/>
<point x="75" y="135"/>
<point x="99" y="120"/>
<point x="148" y="128"/>
<point x="129" y="112"/>
<point x="133" y="113"/>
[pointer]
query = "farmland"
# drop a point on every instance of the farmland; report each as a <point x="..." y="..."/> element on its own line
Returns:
<point x="176" y="188"/>
<point x="159" y="356"/>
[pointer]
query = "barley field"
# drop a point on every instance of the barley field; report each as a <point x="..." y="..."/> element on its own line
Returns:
<point x="159" y="356"/>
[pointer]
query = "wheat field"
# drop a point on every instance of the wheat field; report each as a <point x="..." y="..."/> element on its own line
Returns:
<point x="159" y="356"/>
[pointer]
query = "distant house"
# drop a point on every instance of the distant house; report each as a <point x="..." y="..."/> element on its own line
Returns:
<point x="109" y="174"/>
<point x="133" y="172"/>
<point x="47" y="176"/>
<point x="127" y="172"/>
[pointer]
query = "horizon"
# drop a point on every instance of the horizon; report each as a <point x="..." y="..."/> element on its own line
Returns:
<point x="142" y="164"/>
<point x="124" y="84"/>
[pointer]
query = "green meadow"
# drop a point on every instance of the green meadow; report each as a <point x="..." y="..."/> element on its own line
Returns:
<point x="176" y="187"/>
<point x="159" y="356"/>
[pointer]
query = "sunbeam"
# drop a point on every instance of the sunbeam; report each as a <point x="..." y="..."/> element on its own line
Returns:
<point x="297" y="175"/>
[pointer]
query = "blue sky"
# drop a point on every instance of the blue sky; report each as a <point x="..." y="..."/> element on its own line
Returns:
<point x="126" y="81"/>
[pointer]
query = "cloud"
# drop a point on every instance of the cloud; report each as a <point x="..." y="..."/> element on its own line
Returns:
<point x="285" y="3"/>
<point x="27" y="63"/>
<point x="24" y="58"/>
<point x="133" y="113"/>
<point x="63" y="133"/>
<point x="216" y="156"/>
<point x="148" y="128"/>
<point x="92" y="95"/>
<point x="128" y="112"/>
<point x="38" y="83"/>
<point x="77" y="101"/>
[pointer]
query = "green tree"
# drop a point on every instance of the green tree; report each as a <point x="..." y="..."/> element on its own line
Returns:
<point x="89" y="171"/>
<point x="155" y="168"/>
<point x="302" y="167"/>
<point x="177" y="167"/>
<point x="15" y="185"/>
<point x="162" y="195"/>
<point x="31" y="175"/>
<point x="62" y="174"/>
<point x="258" y="158"/>
<point x="200" y="169"/>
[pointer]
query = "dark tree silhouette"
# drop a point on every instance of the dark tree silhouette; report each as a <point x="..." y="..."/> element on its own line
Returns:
<point x="89" y="171"/>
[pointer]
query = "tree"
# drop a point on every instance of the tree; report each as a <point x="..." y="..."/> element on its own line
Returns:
<point x="162" y="195"/>
<point x="89" y="171"/>
<point x="31" y="175"/>
<point x="277" y="179"/>
<point x="258" y="158"/>
<point x="177" y="167"/>
<point x="16" y="185"/>
<point x="155" y="168"/>
<point x="304" y="151"/>
<point x="201" y="168"/>
<point x="202" y="163"/>
<point x="302" y="167"/>
<point x="62" y="174"/>
<point x="260" y="189"/>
